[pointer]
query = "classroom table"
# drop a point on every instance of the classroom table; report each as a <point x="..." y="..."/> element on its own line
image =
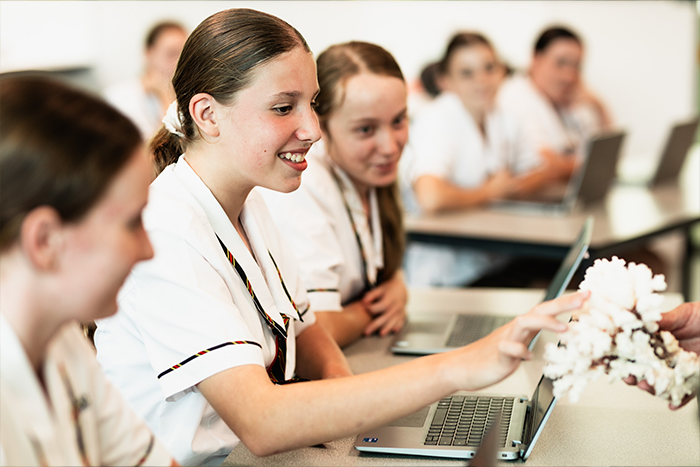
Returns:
<point x="612" y="424"/>
<point x="629" y="217"/>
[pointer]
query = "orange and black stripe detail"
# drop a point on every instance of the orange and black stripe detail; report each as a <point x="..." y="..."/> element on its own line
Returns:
<point x="202" y="352"/>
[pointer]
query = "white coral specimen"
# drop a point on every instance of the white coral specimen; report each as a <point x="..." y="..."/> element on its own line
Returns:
<point x="616" y="332"/>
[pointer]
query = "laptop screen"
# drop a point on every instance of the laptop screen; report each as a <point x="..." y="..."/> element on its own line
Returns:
<point x="571" y="262"/>
<point x="542" y="401"/>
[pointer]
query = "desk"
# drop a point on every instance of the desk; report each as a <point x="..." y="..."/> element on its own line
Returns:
<point x="611" y="424"/>
<point x="629" y="217"/>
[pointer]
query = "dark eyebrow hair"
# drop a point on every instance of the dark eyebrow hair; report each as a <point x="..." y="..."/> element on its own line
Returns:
<point x="402" y="113"/>
<point x="292" y="94"/>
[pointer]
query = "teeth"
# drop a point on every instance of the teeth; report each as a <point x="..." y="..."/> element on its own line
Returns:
<point x="292" y="157"/>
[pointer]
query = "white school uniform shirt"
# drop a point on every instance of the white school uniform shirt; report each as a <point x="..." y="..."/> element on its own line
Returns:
<point x="545" y="126"/>
<point x="186" y="315"/>
<point x="446" y="142"/>
<point x="141" y="107"/>
<point x="315" y="220"/>
<point x="39" y="428"/>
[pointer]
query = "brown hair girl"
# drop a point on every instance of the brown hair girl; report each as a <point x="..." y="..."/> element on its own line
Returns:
<point x="335" y="66"/>
<point x="224" y="49"/>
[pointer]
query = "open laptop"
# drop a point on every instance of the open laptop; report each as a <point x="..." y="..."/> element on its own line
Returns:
<point x="455" y="426"/>
<point x="588" y="185"/>
<point x="439" y="332"/>
<point x="673" y="156"/>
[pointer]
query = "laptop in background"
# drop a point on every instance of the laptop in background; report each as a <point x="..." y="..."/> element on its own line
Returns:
<point x="455" y="426"/>
<point x="439" y="332"/>
<point x="673" y="156"/>
<point x="588" y="185"/>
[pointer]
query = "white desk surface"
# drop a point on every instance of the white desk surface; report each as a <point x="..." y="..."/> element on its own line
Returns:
<point x="628" y="213"/>
<point x="612" y="424"/>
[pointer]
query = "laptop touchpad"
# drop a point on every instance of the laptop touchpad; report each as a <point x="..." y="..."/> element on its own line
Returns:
<point x="416" y="419"/>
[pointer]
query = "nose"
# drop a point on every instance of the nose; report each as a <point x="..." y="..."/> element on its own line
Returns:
<point x="309" y="129"/>
<point x="389" y="143"/>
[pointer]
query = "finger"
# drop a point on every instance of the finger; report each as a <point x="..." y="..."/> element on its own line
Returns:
<point x="380" y="306"/>
<point x="569" y="302"/>
<point x="631" y="380"/>
<point x="376" y="324"/>
<point x="525" y="325"/>
<point x="394" y="325"/>
<point x="372" y="295"/>
<point x="685" y="400"/>
<point x="646" y="387"/>
<point x="514" y="350"/>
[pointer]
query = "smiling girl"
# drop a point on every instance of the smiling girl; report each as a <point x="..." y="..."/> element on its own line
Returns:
<point x="345" y="221"/>
<point x="212" y="332"/>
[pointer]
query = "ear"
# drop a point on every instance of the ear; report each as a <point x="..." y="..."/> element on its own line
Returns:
<point x="41" y="237"/>
<point x="202" y="108"/>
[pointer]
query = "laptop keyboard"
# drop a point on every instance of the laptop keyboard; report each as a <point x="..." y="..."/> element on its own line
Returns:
<point x="470" y="328"/>
<point x="463" y="420"/>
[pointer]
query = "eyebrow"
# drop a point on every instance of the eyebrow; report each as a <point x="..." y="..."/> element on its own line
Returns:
<point x="373" y="120"/>
<point x="293" y="94"/>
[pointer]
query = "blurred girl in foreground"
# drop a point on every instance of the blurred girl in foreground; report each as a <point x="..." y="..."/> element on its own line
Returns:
<point x="74" y="180"/>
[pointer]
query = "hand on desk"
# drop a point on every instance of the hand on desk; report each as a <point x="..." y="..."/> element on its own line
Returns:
<point x="684" y="323"/>
<point x="499" y="354"/>
<point x="387" y="304"/>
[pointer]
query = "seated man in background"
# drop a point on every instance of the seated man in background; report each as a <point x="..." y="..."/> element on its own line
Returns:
<point x="551" y="104"/>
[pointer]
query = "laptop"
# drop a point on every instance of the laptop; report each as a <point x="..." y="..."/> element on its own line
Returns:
<point x="431" y="333"/>
<point x="588" y="185"/>
<point x="673" y="156"/>
<point x="455" y="426"/>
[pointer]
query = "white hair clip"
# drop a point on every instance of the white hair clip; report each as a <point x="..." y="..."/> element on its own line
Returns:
<point x="173" y="120"/>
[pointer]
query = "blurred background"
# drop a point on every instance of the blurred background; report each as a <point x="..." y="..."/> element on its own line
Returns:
<point x="641" y="58"/>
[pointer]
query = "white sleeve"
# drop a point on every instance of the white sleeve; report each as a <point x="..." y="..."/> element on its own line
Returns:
<point x="124" y="438"/>
<point x="435" y="147"/>
<point x="307" y="226"/>
<point x="524" y="157"/>
<point x="186" y="317"/>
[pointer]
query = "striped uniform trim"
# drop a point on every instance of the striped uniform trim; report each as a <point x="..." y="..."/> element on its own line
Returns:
<point x="308" y="307"/>
<point x="202" y="352"/>
<point x="276" y="328"/>
<point x="363" y="256"/>
<point x="291" y="300"/>
<point x="321" y="290"/>
<point x="77" y="406"/>
<point x="148" y="451"/>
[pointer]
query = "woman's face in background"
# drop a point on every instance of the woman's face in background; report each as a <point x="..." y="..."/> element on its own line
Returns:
<point x="163" y="54"/>
<point x="556" y="70"/>
<point x="473" y="73"/>
<point x="366" y="134"/>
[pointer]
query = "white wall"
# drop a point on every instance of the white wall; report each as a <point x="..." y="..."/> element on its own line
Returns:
<point x="640" y="56"/>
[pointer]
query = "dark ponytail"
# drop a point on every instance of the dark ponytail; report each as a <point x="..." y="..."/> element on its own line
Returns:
<point x="218" y="59"/>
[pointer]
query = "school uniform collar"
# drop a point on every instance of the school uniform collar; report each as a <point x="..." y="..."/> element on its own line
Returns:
<point x="370" y="234"/>
<point x="28" y="398"/>
<point x="261" y="274"/>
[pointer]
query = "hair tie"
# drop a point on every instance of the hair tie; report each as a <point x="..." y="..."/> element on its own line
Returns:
<point x="173" y="120"/>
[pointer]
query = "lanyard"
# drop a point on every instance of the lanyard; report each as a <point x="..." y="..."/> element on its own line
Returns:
<point x="276" y="370"/>
<point x="363" y="255"/>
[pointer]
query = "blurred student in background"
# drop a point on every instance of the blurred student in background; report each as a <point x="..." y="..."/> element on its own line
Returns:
<point x="551" y="103"/>
<point x="465" y="153"/>
<point x="146" y="99"/>
<point x="345" y="221"/>
<point x="74" y="179"/>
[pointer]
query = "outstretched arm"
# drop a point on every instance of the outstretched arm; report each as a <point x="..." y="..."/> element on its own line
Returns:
<point x="271" y="419"/>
